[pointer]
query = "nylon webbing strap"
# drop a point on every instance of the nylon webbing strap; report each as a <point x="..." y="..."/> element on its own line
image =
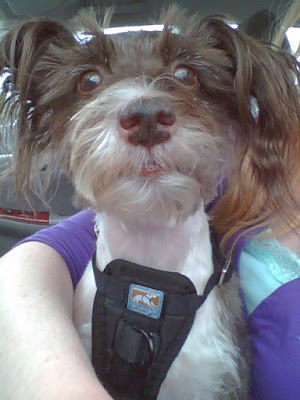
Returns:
<point x="141" y="318"/>
<point x="132" y="352"/>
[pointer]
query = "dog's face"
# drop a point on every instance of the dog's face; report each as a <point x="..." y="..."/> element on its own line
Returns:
<point x="143" y="122"/>
<point x="146" y="138"/>
<point x="143" y="129"/>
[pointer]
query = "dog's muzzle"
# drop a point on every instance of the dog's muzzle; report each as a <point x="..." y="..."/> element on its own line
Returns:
<point x="147" y="122"/>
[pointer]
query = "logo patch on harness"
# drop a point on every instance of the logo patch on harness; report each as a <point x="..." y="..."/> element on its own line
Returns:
<point x="144" y="300"/>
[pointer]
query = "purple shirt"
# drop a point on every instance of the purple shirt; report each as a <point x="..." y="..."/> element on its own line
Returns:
<point x="274" y="325"/>
<point x="275" y="335"/>
<point x="73" y="239"/>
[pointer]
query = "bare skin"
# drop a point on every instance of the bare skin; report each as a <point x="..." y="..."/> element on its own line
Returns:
<point x="41" y="357"/>
<point x="290" y="238"/>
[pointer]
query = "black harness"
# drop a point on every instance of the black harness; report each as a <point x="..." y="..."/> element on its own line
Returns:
<point x="141" y="318"/>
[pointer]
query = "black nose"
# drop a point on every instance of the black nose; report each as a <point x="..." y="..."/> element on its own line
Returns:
<point x="147" y="122"/>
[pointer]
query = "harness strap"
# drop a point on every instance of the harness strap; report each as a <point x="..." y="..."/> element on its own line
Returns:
<point x="132" y="351"/>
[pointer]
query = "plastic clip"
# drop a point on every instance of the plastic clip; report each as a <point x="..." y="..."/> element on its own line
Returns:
<point x="223" y="273"/>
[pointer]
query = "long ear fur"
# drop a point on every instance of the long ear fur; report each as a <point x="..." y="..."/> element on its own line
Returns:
<point x="267" y="145"/>
<point x="20" y="50"/>
<point x="22" y="46"/>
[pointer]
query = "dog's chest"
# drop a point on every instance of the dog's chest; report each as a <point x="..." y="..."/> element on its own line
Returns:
<point x="186" y="249"/>
<point x="183" y="248"/>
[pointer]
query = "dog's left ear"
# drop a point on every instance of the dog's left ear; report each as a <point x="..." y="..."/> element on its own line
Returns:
<point x="262" y="73"/>
<point x="266" y="95"/>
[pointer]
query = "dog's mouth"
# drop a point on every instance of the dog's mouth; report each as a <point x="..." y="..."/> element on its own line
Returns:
<point x="151" y="170"/>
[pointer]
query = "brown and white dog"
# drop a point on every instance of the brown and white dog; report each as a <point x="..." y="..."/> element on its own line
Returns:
<point x="144" y="124"/>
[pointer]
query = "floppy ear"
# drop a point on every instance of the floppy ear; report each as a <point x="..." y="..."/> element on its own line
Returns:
<point x="21" y="48"/>
<point x="268" y="139"/>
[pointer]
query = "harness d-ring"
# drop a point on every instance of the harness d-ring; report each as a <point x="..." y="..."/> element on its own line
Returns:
<point x="151" y="348"/>
<point x="96" y="231"/>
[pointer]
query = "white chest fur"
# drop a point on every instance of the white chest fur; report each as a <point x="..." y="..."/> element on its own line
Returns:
<point x="208" y="356"/>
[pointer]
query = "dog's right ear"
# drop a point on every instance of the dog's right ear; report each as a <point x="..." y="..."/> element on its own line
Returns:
<point x="21" y="49"/>
<point x="22" y="46"/>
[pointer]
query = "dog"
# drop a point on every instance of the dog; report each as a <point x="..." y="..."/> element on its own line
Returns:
<point x="147" y="125"/>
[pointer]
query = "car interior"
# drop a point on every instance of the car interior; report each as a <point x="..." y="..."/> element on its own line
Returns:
<point x="17" y="218"/>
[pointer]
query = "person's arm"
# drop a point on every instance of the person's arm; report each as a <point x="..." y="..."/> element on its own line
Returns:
<point x="41" y="357"/>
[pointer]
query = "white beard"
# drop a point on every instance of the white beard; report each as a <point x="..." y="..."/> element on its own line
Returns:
<point x="166" y="200"/>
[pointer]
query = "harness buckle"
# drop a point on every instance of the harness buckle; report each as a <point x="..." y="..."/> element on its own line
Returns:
<point x="223" y="273"/>
<point x="135" y="345"/>
<point x="96" y="231"/>
<point x="149" y="338"/>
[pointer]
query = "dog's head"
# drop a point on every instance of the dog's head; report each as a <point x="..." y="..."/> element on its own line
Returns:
<point x="144" y="123"/>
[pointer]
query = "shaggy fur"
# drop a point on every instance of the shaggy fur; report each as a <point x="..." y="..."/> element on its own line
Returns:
<point x="146" y="125"/>
<point x="46" y="63"/>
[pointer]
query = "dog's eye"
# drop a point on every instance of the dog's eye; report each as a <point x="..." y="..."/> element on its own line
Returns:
<point x="186" y="76"/>
<point x="89" y="81"/>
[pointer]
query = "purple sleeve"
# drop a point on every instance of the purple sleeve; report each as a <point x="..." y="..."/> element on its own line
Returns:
<point x="275" y="334"/>
<point x="73" y="239"/>
<point x="274" y="329"/>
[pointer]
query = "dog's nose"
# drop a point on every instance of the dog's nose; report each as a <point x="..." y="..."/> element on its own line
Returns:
<point x="147" y="122"/>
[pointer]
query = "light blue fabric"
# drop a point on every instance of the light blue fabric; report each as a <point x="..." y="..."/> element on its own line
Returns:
<point x="265" y="266"/>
